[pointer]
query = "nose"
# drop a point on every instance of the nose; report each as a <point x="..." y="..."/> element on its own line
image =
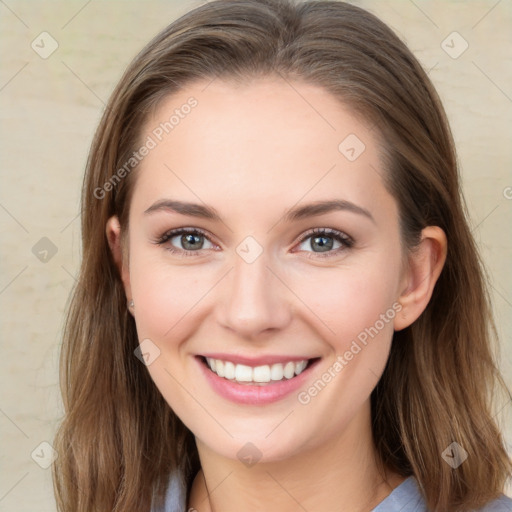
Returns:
<point x="255" y="299"/>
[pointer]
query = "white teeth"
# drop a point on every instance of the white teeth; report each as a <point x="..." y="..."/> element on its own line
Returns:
<point x="259" y="374"/>
<point x="229" y="369"/>
<point x="276" y="372"/>
<point x="243" y="373"/>
<point x="218" y="367"/>
<point x="289" y="370"/>
<point x="299" y="368"/>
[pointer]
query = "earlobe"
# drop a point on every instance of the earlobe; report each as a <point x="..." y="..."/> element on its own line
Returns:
<point x="113" y="232"/>
<point x="425" y="264"/>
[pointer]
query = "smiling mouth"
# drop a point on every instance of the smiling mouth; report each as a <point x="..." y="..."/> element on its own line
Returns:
<point x="258" y="375"/>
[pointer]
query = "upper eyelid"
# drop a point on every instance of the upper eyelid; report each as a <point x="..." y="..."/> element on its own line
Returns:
<point x="171" y="233"/>
<point x="335" y="233"/>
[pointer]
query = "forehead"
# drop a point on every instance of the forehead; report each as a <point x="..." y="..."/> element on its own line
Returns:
<point x="269" y="139"/>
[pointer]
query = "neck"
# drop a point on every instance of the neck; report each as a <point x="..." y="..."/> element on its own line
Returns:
<point x="339" y="475"/>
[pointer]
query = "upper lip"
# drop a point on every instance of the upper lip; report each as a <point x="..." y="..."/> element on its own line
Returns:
<point x="256" y="361"/>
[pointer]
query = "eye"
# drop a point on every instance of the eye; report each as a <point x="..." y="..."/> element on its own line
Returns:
<point x="322" y="241"/>
<point x="325" y="239"/>
<point x="192" y="240"/>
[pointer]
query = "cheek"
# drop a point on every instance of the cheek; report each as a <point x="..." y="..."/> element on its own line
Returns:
<point x="164" y="295"/>
<point x="348" y="302"/>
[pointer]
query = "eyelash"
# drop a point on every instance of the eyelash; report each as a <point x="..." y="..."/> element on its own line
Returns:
<point x="341" y="237"/>
<point x="346" y="241"/>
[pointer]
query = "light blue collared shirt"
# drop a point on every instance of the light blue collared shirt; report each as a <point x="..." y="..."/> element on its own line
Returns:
<point x="404" y="498"/>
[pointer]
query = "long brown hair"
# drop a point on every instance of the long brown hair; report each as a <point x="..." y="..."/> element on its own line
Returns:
<point x="119" y="440"/>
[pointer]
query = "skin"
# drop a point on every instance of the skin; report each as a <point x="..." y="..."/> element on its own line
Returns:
<point x="252" y="152"/>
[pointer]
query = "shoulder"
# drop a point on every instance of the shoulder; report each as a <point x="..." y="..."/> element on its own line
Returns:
<point x="502" y="504"/>
<point x="407" y="496"/>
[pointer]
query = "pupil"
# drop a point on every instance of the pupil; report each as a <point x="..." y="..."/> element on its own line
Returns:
<point x="189" y="240"/>
<point x="324" y="246"/>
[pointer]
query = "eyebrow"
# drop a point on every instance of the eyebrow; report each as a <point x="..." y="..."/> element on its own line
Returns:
<point x="309" y="210"/>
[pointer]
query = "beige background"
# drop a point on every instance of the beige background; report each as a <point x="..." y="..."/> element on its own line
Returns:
<point x="49" y="109"/>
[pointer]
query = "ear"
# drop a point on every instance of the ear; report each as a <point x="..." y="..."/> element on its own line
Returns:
<point x="113" y="232"/>
<point x="424" y="267"/>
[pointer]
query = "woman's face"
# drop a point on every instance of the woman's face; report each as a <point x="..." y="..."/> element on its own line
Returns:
<point x="247" y="164"/>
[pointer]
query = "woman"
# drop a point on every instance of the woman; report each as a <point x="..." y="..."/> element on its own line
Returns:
<point x="280" y="302"/>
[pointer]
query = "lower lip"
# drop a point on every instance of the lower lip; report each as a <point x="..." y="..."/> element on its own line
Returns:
<point x="255" y="395"/>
